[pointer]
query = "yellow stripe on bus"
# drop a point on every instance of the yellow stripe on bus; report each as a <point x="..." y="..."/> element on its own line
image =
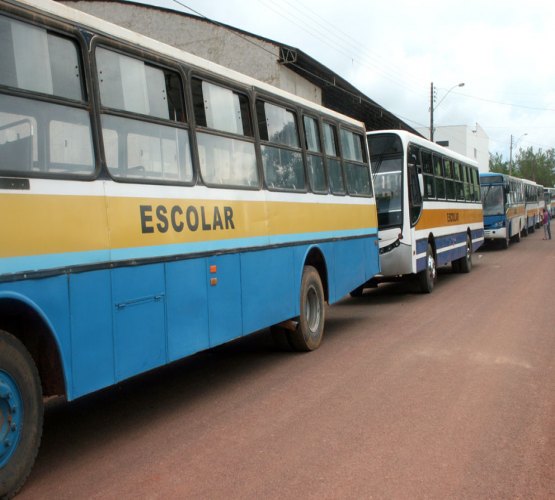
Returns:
<point x="44" y="224"/>
<point x="515" y="211"/>
<point x="448" y="217"/>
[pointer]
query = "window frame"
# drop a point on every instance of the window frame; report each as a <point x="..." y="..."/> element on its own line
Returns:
<point x="320" y="154"/>
<point x="160" y="63"/>
<point x="327" y="157"/>
<point x="197" y="129"/>
<point x="362" y="163"/>
<point x="86" y="104"/>
<point x="288" y="106"/>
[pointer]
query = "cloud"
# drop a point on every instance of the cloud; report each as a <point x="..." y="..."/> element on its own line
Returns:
<point x="393" y="50"/>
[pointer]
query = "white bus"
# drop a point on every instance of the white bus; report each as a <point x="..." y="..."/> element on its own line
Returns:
<point x="429" y="208"/>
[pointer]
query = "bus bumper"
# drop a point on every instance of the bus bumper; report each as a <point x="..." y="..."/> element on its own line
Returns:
<point x="495" y="234"/>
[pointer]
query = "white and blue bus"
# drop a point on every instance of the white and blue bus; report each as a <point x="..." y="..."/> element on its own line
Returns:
<point x="534" y="200"/>
<point x="549" y="198"/>
<point x="429" y="207"/>
<point x="504" y="207"/>
<point x="154" y="205"/>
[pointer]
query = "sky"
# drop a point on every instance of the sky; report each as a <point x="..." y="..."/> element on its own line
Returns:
<point x="392" y="51"/>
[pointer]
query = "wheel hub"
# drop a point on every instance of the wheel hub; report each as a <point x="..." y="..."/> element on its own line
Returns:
<point x="10" y="417"/>
<point x="312" y="310"/>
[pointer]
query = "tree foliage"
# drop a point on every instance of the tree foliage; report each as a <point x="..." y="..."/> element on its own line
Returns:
<point x="538" y="166"/>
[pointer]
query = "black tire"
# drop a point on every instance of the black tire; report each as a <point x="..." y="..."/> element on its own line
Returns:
<point x="21" y="413"/>
<point x="427" y="277"/>
<point x="465" y="263"/>
<point x="505" y="242"/>
<point x="310" y="329"/>
<point x="455" y="266"/>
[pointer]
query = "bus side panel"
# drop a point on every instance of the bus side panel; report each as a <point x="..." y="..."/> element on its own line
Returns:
<point x="223" y="273"/>
<point x="269" y="287"/>
<point x="477" y="238"/>
<point x="139" y="319"/>
<point x="447" y="249"/>
<point x="187" y="307"/>
<point x="349" y="267"/>
<point x="92" y="342"/>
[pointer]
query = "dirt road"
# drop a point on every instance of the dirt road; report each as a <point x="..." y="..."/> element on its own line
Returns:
<point x="448" y="395"/>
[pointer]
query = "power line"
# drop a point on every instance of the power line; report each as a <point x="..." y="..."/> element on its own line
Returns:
<point x="323" y="80"/>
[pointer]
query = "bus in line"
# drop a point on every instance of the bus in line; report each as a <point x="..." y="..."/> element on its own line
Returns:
<point x="429" y="207"/>
<point x="504" y="207"/>
<point x="549" y="198"/>
<point x="534" y="199"/>
<point x="154" y="205"/>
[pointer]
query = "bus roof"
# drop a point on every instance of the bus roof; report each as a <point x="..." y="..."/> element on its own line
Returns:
<point x="407" y="137"/>
<point x="96" y="24"/>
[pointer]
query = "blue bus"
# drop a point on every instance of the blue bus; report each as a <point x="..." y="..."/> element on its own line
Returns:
<point x="154" y="205"/>
<point x="503" y="199"/>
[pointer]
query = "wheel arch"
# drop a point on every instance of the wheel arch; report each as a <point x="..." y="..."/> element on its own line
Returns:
<point x="315" y="258"/>
<point x="23" y="319"/>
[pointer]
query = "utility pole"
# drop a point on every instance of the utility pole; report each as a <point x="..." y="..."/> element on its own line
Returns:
<point x="513" y="144"/>
<point x="511" y="157"/>
<point x="432" y="112"/>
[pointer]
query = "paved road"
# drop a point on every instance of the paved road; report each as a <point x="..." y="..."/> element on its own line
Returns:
<point x="450" y="395"/>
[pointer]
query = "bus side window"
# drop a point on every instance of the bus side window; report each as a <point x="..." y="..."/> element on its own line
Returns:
<point x="476" y="183"/>
<point x="226" y="149"/>
<point x="440" y="181"/>
<point x="281" y="157"/>
<point x="428" y="173"/>
<point x="459" y="186"/>
<point x="335" y="172"/>
<point x="137" y="146"/>
<point x="357" y="171"/>
<point x="39" y="137"/>
<point x="449" y="179"/>
<point x="315" y="161"/>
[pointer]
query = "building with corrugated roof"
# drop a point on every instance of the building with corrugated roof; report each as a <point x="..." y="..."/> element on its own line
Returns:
<point x="273" y="62"/>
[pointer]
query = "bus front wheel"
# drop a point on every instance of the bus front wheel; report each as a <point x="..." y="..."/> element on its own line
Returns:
<point x="21" y="413"/>
<point x="427" y="277"/>
<point x="310" y="329"/>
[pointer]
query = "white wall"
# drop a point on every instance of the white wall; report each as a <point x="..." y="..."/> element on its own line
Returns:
<point x="471" y="142"/>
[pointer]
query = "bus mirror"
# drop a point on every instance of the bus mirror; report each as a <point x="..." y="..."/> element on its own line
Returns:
<point x="507" y="189"/>
<point x="421" y="180"/>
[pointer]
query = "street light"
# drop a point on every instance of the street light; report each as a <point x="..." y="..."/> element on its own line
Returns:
<point x="433" y="108"/>
<point x="513" y="143"/>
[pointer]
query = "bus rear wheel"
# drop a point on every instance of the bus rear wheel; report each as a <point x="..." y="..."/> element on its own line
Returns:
<point x="427" y="277"/>
<point x="310" y="328"/>
<point x="465" y="263"/>
<point x="21" y="413"/>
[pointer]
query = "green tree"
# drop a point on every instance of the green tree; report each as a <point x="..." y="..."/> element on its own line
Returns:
<point x="537" y="166"/>
<point x="496" y="164"/>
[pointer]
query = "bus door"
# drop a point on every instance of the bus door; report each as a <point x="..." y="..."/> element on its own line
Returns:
<point x="414" y="184"/>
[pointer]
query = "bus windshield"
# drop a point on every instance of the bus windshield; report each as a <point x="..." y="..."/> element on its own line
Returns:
<point x="388" y="185"/>
<point x="492" y="199"/>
